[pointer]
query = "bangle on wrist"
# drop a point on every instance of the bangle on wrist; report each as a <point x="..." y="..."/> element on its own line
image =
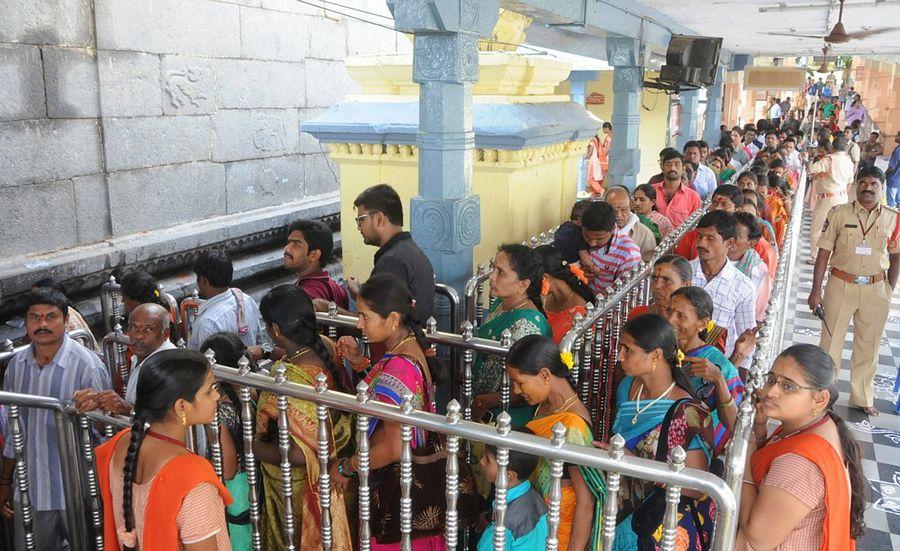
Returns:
<point x="750" y="482"/>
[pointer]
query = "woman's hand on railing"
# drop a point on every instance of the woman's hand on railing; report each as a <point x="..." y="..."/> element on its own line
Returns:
<point x="760" y="420"/>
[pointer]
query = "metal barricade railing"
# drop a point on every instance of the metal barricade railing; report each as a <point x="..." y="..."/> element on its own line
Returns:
<point x="111" y="306"/>
<point x="615" y="463"/>
<point x="114" y="347"/>
<point x="68" y="461"/>
<point x="769" y="339"/>
<point x="188" y="311"/>
<point x="593" y="339"/>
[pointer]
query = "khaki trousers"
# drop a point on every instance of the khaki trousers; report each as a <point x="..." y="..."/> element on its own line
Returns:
<point x="819" y="214"/>
<point x="868" y="307"/>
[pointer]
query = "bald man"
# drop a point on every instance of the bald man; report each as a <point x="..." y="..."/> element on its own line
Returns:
<point x="148" y="330"/>
<point x="628" y="222"/>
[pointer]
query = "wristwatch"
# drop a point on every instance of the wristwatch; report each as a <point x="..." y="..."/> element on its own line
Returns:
<point x="267" y="348"/>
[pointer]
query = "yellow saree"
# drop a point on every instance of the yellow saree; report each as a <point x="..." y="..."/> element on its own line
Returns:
<point x="305" y="499"/>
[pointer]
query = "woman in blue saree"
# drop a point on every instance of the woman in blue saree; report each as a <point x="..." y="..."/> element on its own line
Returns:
<point x="713" y="377"/>
<point x="515" y="285"/>
<point x="656" y="392"/>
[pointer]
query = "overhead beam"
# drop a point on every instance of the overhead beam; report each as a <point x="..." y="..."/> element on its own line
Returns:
<point x="602" y="18"/>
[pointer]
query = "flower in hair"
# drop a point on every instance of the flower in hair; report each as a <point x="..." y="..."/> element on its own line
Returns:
<point x="156" y="293"/>
<point x="578" y="273"/>
<point x="679" y="356"/>
<point x="710" y="326"/>
<point x="545" y="285"/>
<point x="567" y="359"/>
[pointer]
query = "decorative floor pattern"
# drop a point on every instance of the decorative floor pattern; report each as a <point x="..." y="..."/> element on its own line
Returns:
<point x="878" y="437"/>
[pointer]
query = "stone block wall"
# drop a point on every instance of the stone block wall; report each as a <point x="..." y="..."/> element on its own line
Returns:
<point x="127" y="116"/>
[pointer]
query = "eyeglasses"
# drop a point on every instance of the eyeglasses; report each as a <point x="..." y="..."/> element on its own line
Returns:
<point x="786" y="385"/>
<point x="359" y="219"/>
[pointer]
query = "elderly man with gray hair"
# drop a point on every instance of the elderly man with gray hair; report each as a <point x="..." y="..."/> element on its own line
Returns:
<point x="148" y="330"/>
<point x="628" y="223"/>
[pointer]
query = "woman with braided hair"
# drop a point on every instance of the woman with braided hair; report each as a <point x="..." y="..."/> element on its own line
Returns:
<point x="291" y="322"/>
<point x="156" y="493"/>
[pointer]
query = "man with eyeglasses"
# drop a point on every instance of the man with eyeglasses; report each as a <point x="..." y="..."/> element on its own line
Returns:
<point x="860" y="243"/>
<point x="379" y="218"/>
<point x="53" y="366"/>
<point x="628" y="222"/>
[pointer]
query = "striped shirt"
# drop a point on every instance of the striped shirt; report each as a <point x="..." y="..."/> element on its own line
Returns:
<point x="74" y="367"/>
<point x="220" y="314"/>
<point x="734" y="302"/>
<point x="613" y="261"/>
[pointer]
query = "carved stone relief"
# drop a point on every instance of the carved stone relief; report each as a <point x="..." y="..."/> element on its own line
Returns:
<point x="269" y="133"/>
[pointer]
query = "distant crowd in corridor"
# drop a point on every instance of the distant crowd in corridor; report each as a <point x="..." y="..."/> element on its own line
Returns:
<point x="680" y="379"/>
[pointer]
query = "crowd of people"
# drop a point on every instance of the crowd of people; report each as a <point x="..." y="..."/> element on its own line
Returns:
<point x="683" y="361"/>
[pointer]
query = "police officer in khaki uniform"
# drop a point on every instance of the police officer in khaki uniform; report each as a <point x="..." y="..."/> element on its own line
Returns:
<point x="831" y="175"/>
<point x="860" y="243"/>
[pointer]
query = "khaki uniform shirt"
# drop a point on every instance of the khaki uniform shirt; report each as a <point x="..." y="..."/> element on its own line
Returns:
<point x="833" y="173"/>
<point x="843" y="235"/>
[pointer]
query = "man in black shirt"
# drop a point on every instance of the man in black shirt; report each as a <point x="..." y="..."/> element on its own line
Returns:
<point x="379" y="218"/>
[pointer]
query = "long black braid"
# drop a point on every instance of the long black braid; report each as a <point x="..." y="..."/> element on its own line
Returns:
<point x="291" y="309"/>
<point x="165" y="378"/>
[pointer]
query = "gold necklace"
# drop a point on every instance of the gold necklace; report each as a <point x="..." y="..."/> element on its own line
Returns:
<point x="517" y="306"/>
<point x="565" y="406"/>
<point x="300" y="351"/>
<point x="401" y="343"/>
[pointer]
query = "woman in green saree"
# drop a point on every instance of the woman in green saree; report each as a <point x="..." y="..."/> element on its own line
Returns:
<point x="540" y="375"/>
<point x="291" y="322"/>
<point x="515" y="285"/>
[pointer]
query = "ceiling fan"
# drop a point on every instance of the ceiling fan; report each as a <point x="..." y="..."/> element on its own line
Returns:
<point x="838" y="35"/>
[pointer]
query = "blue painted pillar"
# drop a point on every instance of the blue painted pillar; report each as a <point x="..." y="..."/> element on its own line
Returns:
<point x="687" y="118"/>
<point x="578" y="81"/>
<point x="624" y="54"/>
<point x="714" y="97"/>
<point x="445" y="218"/>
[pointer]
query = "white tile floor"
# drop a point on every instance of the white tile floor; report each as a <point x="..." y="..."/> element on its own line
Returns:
<point x="878" y="437"/>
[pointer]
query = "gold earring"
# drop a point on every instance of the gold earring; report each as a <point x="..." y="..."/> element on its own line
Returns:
<point x="653" y="367"/>
<point x="183" y="418"/>
<point x="815" y="412"/>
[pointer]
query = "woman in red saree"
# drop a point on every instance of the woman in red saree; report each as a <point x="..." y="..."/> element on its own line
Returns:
<point x="803" y="486"/>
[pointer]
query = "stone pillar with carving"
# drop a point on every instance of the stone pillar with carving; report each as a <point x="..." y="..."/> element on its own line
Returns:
<point x="714" y="97"/>
<point x="688" y="117"/>
<point x="445" y="216"/>
<point x="624" y="54"/>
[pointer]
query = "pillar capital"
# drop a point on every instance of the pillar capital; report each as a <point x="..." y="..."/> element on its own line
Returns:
<point x="445" y="57"/>
<point x="623" y="51"/>
<point x="445" y="16"/>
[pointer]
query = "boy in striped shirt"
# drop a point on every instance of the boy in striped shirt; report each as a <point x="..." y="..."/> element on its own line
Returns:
<point x="605" y="253"/>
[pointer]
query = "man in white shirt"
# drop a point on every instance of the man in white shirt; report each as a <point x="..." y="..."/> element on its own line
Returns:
<point x="733" y="294"/>
<point x="774" y="111"/>
<point x="628" y="223"/>
<point x="705" y="179"/>
<point x="226" y="309"/>
<point x="148" y="330"/>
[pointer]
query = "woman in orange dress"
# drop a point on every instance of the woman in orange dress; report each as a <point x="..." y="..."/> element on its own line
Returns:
<point x="803" y="486"/>
<point x="594" y="167"/>
<point x="176" y="390"/>
<point x="565" y="292"/>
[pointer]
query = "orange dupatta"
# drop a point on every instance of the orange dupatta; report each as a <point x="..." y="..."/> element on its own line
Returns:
<point x="836" y="526"/>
